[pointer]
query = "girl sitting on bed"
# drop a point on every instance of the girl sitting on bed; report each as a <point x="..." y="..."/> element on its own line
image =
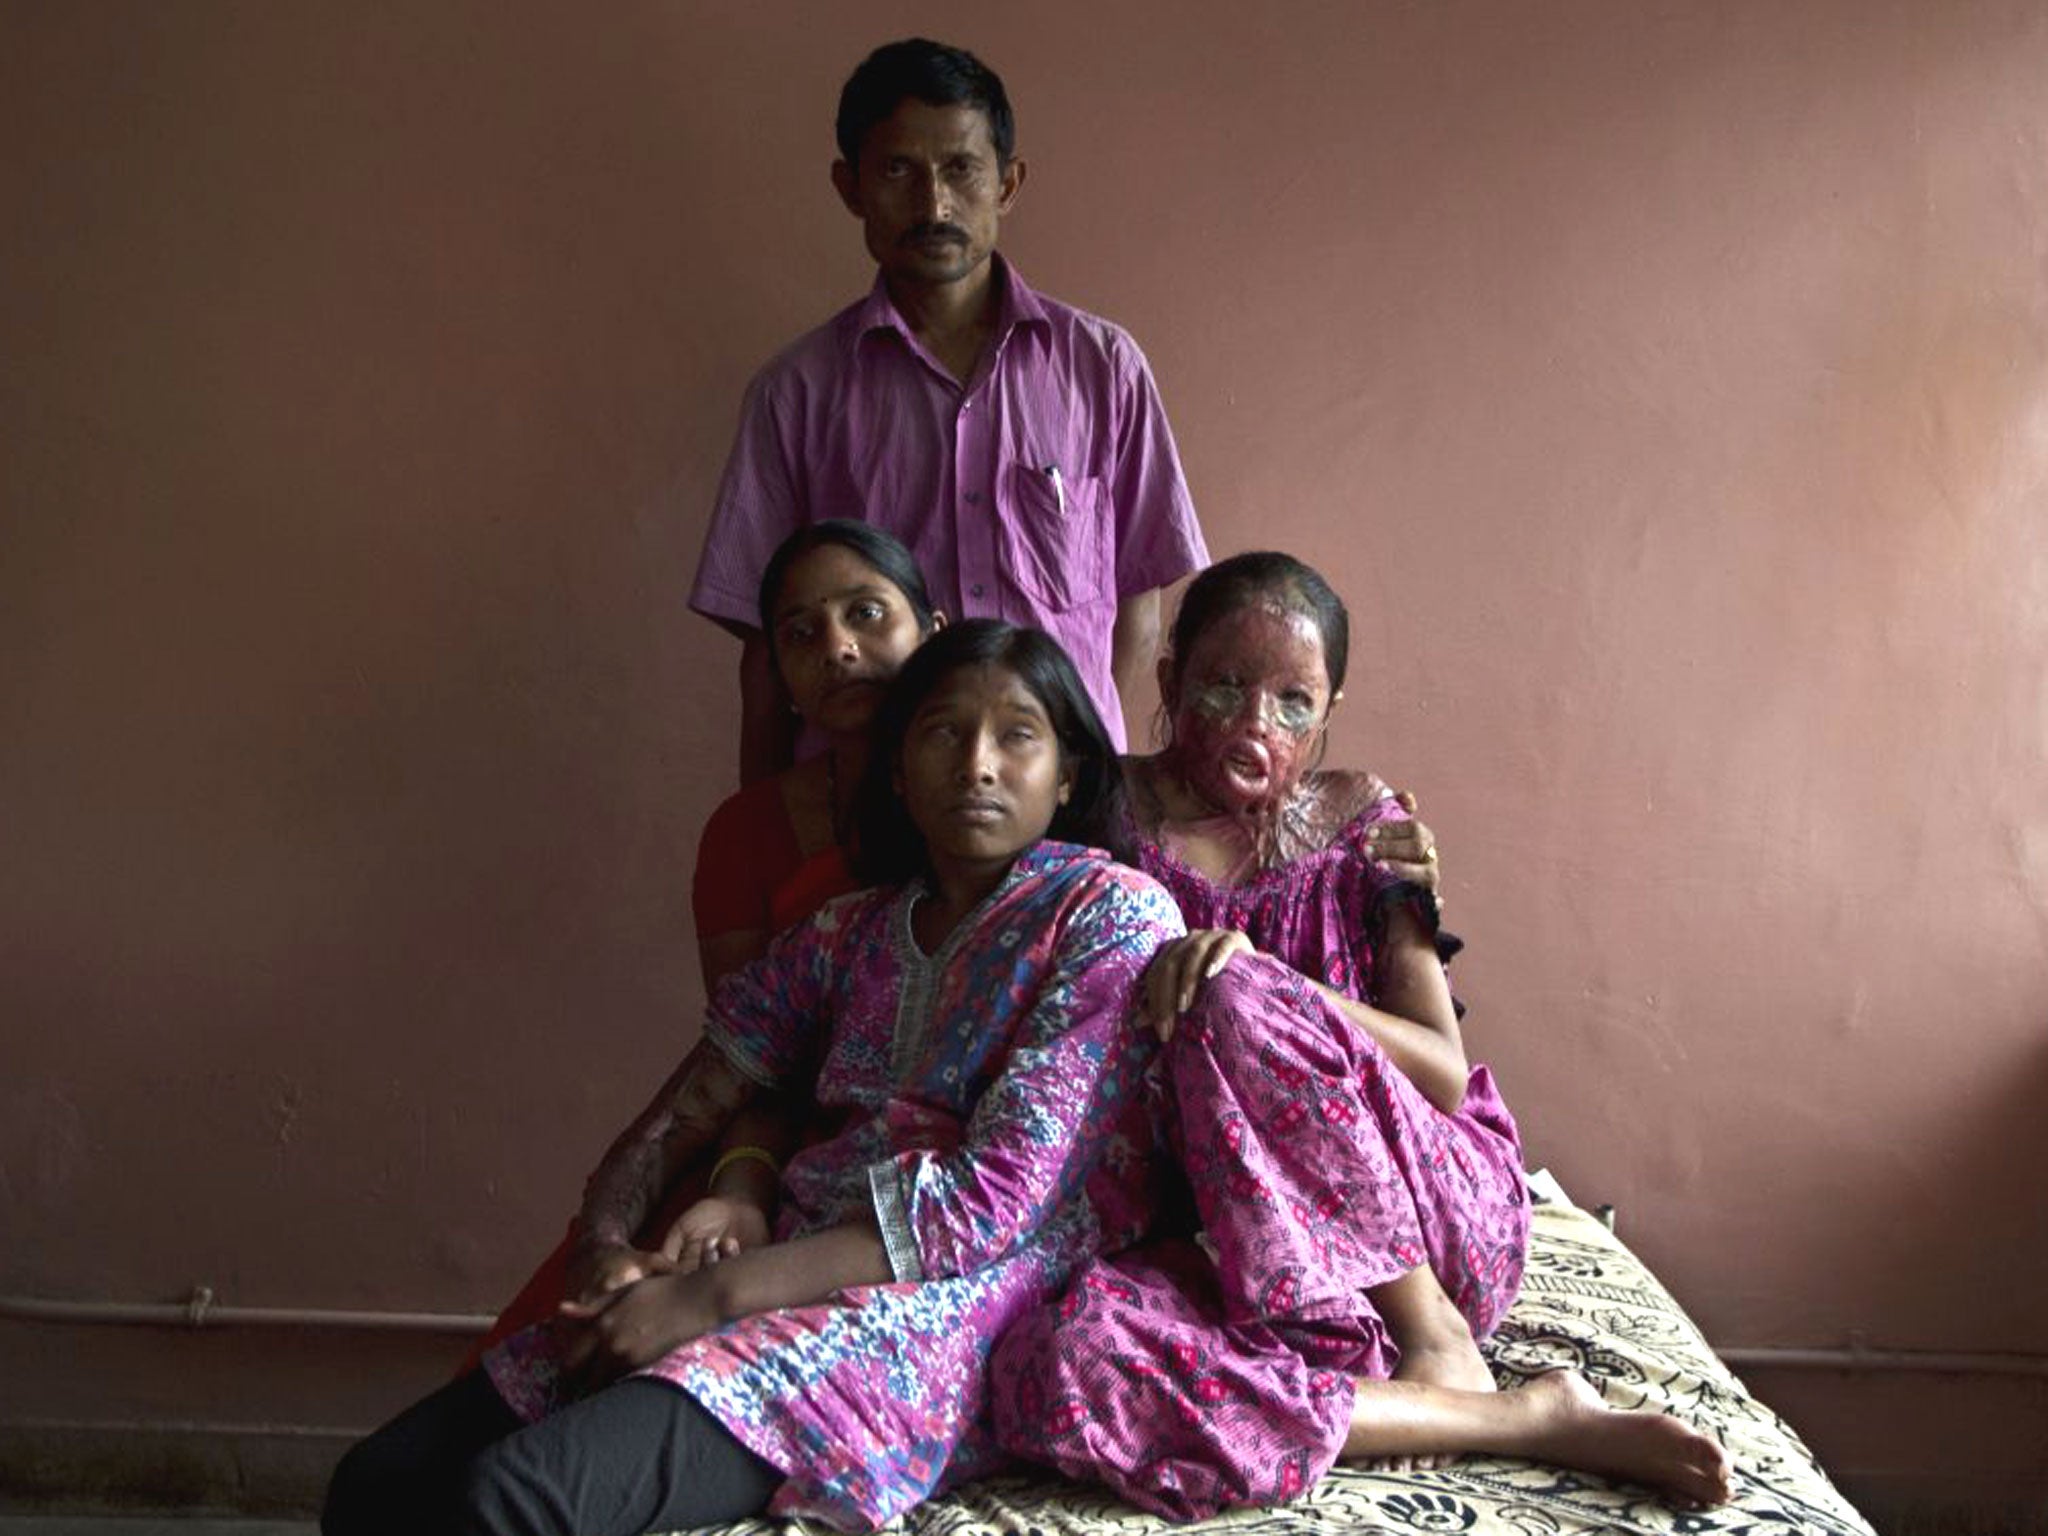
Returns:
<point x="843" y="605"/>
<point x="1358" y="1185"/>
<point x="967" y="1029"/>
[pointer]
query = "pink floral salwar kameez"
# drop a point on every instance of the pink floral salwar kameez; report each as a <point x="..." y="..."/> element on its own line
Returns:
<point x="1192" y="1374"/>
<point x="987" y="1114"/>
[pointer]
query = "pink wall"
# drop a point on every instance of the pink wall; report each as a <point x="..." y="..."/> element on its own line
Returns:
<point x="1665" y="385"/>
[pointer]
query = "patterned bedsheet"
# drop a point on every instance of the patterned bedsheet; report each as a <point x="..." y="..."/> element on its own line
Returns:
<point x="1588" y="1303"/>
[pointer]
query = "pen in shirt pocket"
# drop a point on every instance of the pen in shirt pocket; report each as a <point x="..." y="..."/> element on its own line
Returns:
<point x="1059" y="487"/>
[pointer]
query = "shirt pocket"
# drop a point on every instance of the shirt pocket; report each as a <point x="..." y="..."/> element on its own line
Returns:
<point x="1051" y="538"/>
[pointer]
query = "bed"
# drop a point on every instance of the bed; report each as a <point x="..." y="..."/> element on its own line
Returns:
<point x="1587" y="1303"/>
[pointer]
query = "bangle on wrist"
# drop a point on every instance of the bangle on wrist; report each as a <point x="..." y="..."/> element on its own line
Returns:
<point x="743" y="1155"/>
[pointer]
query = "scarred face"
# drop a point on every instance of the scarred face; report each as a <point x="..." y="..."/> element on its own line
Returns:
<point x="1249" y="704"/>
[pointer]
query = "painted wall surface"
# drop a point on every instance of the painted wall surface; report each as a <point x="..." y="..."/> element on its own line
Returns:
<point x="1665" y="385"/>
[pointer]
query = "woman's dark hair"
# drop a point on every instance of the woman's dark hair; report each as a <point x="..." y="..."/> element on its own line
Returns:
<point x="1263" y="576"/>
<point x="884" y="551"/>
<point x="889" y="849"/>
<point x="919" y="69"/>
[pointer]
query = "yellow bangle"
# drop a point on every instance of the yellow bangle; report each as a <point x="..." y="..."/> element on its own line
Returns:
<point x="743" y="1155"/>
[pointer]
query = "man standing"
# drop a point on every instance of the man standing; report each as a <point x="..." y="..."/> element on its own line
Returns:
<point x="1016" y="444"/>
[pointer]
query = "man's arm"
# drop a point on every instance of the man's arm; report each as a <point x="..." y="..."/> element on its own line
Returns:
<point x="1133" y="647"/>
<point x="767" y="728"/>
<point x="1158" y="541"/>
<point x="760" y="502"/>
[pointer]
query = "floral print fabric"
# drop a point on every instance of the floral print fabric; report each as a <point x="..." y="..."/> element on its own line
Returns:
<point x="989" y="1115"/>
<point x="1192" y="1378"/>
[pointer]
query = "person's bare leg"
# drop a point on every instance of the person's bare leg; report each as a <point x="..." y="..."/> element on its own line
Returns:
<point x="1436" y="1344"/>
<point x="1556" y="1418"/>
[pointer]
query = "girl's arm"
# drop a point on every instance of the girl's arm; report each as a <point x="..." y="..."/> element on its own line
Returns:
<point x="1414" y="1021"/>
<point x="764" y="1019"/>
<point x="737" y="1211"/>
<point x="732" y="902"/>
<point x="1035" y="1134"/>
<point x="638" y="1168"/>
<point x="639" y="1324"/>
<point x="739" y="1208"/>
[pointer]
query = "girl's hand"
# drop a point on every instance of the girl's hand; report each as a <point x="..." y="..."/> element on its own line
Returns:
<point x="1405" y="849"/>
<point x="1178" y="970"/>
<point x="636" y="1326"/>
<point x="600" y="1269"/>
<point x="716" y="1227"/>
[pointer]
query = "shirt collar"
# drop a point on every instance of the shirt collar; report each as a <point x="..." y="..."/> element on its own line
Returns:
<point x="1018" y="305"/>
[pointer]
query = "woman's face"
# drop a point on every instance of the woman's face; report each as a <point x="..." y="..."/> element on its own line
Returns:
<point x="842" y="631"/>
<point x="980" y="770"/>
<point x="1249" y="704"/>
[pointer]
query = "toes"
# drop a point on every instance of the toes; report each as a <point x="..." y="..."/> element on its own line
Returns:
<point x="1710" y="1479"/>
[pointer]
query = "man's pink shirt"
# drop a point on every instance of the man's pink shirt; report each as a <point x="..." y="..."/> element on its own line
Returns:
<point x="1043" y="491"/>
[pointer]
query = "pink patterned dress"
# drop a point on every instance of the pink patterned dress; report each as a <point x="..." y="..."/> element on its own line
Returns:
<point x="1190" y="1383"/>
<point x="989" y="1115"/>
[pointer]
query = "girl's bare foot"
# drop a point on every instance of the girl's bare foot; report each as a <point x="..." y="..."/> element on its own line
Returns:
<point x="1556" y="1418"/>
<point x="1568" y="1425"/>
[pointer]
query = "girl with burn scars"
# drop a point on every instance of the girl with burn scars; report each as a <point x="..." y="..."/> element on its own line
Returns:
<point x="843" y="606"/>
<point x="964" y="1027"/>
<point x="1357" y="1184"/>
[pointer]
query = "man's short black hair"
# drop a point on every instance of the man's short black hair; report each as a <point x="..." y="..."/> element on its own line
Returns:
<point x="919" y="69"/>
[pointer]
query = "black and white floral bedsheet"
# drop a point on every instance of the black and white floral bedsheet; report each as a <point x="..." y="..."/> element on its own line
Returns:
<point x="1588" y="1303"/>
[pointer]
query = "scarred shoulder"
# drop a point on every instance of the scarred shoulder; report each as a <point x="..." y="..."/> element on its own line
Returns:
<point x="1349" y="800"/>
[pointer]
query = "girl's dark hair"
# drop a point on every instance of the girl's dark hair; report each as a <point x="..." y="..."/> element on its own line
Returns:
<point x="883" y="551"/>
<point x="889" y="849"/>
<point x="919" y="69"/>
<point x="1263" y="576"/>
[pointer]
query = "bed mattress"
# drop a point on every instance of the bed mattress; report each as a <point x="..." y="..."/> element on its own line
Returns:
<point x="1588" y="1303"/>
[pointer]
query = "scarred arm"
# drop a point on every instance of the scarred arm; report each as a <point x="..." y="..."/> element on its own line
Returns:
<point x="694" y="1105"/>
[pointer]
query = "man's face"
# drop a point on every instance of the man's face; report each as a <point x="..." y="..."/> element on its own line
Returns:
<point x="929" y="193"/>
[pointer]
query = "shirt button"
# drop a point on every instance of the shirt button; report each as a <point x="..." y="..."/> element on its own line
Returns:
<point x="975" y="590"/>
<point x="974" y="498"/>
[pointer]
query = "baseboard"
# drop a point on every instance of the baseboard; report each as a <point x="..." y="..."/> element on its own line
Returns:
<point x="189" y="1469"/>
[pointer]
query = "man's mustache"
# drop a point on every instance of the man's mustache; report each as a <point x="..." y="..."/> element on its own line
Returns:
<point x="917" y="234"/>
